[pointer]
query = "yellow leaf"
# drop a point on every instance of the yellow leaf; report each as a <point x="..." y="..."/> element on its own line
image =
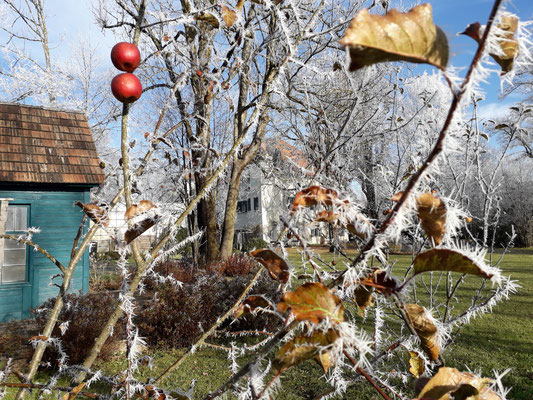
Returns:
<point x="305" y="347"/>
<point x="313" y="302"/>
<point x="425" y="329"/>
<point x="416" y="364"/>
<point x="396" y="36"/>
<point x="240" y="5"/>
<point x="363" y="298"/>
<point x="460" y="385"/>
<point x="276" y="266"/>
<point x="432" y="214"/>
<point x="447" y="260"/>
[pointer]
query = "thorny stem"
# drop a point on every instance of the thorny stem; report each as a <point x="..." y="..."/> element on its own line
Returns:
<point x="437" y="149"/>
<point x="366" y="376"/>
<point x="413" y="182"/>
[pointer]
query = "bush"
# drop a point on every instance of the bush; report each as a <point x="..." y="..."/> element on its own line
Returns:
<point x="254" y="243"/>
<point x="86" y="315"/>
<point x="179" y="316"/>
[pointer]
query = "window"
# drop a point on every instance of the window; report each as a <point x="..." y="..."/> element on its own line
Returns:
<point x="13" y="266"/>
<point x="249" y="205"/>
<point x="256" y="203"/>
<point x="242" y="206"/>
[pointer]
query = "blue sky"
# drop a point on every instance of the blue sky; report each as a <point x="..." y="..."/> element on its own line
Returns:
<point x="71" y="20"/>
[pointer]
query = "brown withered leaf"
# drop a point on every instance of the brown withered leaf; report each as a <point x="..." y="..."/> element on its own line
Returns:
<point x="250" y="304"/>
<point x="277" y="267"/>
<point x="449" y="382"/>
<point x="312" y="196"/>
<point x="425" y="329"/>
<point x="208" y="18"/>
<point x="304" y="347"/>
<point x="509" y="47"/>
<point x="381" y="281"/>
<point x="229" y="16"/>
<point x="416" y="364"/>
<point x="432" y="214"/>
<point x="136" y="209"/>
<point x="138" y="229"/>
<point x="75" y="391"/>
<point x="396" y="36"/>
<point x="327" y="216"/>
<point x="363" y="298"/>
<point x="313" y="302"/>
<point x="447" y="260"/>
<point x="240" y="4"/>
<point x="95" y="213"/>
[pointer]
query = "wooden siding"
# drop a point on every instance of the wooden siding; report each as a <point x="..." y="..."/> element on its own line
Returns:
<point x="54" y="213"/>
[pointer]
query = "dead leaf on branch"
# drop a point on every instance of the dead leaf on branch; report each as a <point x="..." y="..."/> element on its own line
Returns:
<point x="448" y="260"/>
<point x="333" y="219"/>
<point x="138" y="229"/>
<point x="508" y="45"/>
<point x="313" y="302"/>
<point x="432" y="214"/>
<point x="208" y="18"/>
<point x="396" y="36"/>
<point x="229" y="16"/>
<point x="449" y="382"/>
<point x="75" y="391"/>
<point x="363" y="298"/>
<point x="137" y="209"/>
<point x="312" y="196"/>
<point x="277" y="267"/>
<point x="305" y="347"/>
<point x="250" y="304"/>
<point x="425" y="329"/>
<point x="95" y="213"/>
<point x="416" y="364"/>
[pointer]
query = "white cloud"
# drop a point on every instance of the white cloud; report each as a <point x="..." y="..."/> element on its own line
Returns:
<point x="493" y="110"/>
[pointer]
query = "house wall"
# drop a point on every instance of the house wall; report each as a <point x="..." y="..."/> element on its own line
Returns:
<point x="57" y="217"/>
<point x="250" y="188"/>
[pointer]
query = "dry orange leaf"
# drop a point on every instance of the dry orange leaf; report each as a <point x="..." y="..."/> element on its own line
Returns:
<point x="303" y="348"/>
<point x="250" y="304"/>
<point x="461" y="385"/>
<point x="138" y="229"/>
<point x="425" y="329"/>
<point x="137" y="209"/>
<point x="397" y="196"/>
<point x="277" y="267"/>
<point x="229" y="16"/>
<point x="312" y="196"/>
<point x="313" y="302"/>
<point x="39" y="337"/>
<point x="95" y="213"/>
<point x="447" y="260"/>
<point x="75" y="391"/>
<point x="327" y="216"/>
<point x="396" y="36"/>
<point x="432" y="214"/>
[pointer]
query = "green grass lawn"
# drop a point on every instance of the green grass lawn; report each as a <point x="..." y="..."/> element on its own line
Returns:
<point x="497" y="341"/>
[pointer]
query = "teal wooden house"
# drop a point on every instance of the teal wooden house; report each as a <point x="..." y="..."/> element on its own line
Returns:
<point x="48" y="161"/>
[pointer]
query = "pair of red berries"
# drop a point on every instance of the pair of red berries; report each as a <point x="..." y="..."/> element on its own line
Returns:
<point x="126" y="87"/>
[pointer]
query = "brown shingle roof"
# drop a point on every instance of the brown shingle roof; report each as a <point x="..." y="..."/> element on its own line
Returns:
<point x="40" y="145"/>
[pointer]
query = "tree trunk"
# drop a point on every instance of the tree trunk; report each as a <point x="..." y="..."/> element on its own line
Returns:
<point x="228" y="230"/>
